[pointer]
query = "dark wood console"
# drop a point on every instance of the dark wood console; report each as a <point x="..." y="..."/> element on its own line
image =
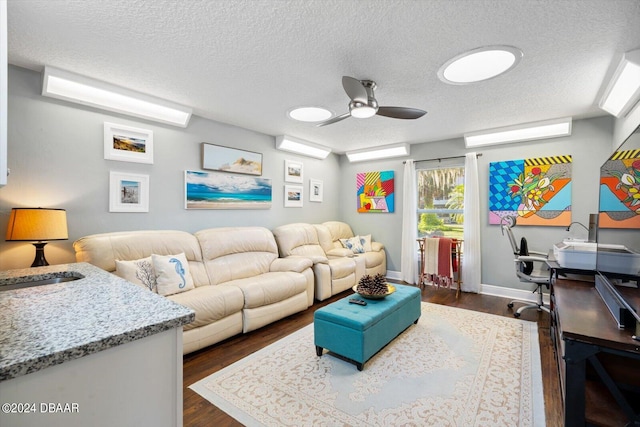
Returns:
<point x="599" y="364"/>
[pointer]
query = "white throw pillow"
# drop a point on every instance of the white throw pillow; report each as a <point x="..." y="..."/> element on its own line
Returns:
<point x="139" y="272"/>
<point x="172" y="273"/>
<point x="365" y="241"/>
<point x="354" y="244"/>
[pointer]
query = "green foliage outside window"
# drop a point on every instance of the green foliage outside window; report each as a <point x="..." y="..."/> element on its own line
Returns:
<point x="442" y="190"/>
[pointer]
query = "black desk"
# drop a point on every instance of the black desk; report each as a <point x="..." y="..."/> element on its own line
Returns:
<point x="596" y="360"/>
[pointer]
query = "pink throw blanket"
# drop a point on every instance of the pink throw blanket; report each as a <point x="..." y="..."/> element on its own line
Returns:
<point x="445" y="269"/>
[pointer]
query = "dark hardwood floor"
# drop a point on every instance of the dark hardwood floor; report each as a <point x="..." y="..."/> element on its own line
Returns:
<point x="199" y="412"/>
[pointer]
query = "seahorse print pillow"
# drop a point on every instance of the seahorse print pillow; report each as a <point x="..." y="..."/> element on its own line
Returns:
<point x="172" y="273"/>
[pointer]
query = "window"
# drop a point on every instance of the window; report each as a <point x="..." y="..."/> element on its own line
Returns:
<point x="441" y="201"/>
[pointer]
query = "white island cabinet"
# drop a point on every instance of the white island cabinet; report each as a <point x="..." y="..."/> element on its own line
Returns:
<point x="96" y="351"/>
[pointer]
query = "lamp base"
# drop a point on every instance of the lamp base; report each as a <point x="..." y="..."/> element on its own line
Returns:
<point x="39" y="260"/>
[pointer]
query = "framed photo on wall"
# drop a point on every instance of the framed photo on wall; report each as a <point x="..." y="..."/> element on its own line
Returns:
<point x="293" y="171"/>
<point x="226" y="159"/>
<point x="127" y="144"/>
<point x="128" y="192"/>
<point x="212" y="190"/>
<point x="315" y="190"/>
<point x="293" y="196"/>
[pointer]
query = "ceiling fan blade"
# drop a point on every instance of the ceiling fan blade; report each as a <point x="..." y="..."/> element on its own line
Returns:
<point x="401" y="112"/>
<point x="354" y="89"/>
<point x="334" y="119"/>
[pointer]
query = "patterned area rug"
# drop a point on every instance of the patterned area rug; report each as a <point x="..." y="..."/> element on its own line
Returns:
<point x="454" y="368"/>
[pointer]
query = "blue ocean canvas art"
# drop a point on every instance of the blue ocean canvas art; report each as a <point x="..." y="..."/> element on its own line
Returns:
<point x="205" y="190"/>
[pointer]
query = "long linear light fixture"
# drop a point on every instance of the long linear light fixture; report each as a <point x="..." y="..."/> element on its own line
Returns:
<point x="518" y="133"/>
<point x="299" y="146"/>
<point x="388" y="151"/>
<point x="83" y="90"/>
<point x="623" y="90"/>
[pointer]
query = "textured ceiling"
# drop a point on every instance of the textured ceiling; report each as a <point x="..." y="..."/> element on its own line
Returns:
<point x="247" y="63"/>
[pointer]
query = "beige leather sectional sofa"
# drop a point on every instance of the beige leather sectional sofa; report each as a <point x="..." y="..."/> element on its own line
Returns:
<point x="335" y="267"/>
<point x="243" y="277"/>
<point x="240" y="282"/>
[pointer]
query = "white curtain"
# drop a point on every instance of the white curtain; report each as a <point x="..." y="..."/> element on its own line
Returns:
<point x="471" y="263"/>
<point x="409" y="254"/>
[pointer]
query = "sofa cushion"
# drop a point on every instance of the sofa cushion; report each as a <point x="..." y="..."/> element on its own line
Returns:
<point x="139" y="272"/>
<point x="338" y="229"/>
<point x="103" y="249"/>
<point x="210" y="303"/>
<point x="269" y="288"/>
<point x="373" y="259"/>
<point x="172" y="273"/>
<point x="299" y="239"/>
<point x="231" y="253"/>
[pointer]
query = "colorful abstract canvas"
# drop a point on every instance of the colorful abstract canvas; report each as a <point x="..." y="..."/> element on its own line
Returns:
<point x="375" y="191"/>
<point x="620" y="190"/>
<point x="537" y="191"/>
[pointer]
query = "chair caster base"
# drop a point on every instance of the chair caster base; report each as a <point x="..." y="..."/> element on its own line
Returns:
<point x="510" y="305"/>
<point x="516" y="315"/>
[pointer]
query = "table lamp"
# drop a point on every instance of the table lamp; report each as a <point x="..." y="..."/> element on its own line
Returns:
<point x="37" y="225"/>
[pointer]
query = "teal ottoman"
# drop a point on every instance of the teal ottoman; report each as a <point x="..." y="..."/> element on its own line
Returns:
<point x="358" y="332"/>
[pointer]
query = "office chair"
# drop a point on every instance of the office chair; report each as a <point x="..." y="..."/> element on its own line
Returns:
<point x="525" y="261"/>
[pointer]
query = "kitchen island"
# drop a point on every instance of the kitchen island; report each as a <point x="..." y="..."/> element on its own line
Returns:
<point x="93" y="349"/>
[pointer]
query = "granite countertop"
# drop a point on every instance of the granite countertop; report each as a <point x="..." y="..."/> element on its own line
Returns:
<point x="46" y="325"/>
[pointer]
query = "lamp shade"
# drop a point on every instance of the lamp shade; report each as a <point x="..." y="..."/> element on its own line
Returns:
<point x="37" y="224"/>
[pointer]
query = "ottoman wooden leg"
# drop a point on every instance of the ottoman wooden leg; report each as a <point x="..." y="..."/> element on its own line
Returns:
<point x="319" y="350"/>
<point x="360" y="366"/>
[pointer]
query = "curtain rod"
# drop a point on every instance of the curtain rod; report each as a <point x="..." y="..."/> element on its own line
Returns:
<point x="443" y="158"/>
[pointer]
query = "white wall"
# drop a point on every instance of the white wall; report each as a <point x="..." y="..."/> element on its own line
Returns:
<point x="590" y="146"/>
<point x="56" y="160"/>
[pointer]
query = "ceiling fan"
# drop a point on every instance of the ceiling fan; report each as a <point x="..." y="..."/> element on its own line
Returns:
<point x="363" y="103"/>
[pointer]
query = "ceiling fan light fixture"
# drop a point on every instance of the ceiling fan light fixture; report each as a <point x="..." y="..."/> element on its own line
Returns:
<point x="309" y="114"/>
<point x="363" y="111"/>
<point x="479" y="64"/>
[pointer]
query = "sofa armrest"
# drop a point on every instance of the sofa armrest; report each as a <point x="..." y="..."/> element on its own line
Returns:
<point x="318" y="259"/>
<point x="376" y="246"/>
<point x="291" y="263"/>
<point x="340" y="253"/>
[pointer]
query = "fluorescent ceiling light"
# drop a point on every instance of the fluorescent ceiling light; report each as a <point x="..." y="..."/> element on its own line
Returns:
<point x="396" y="150"/>
<point x="94" y="93"/>
<point x="525" y="132"/>
<point x="479" y="64"/>
<point x="298" y="146"/>
<point x="623" y="90"/>
<point x="310" y="114"/>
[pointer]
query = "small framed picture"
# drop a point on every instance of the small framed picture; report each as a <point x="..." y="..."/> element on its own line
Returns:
<point x="315" y="190"/>
<point x="127" y="144"/>
<point x="128" y="192"/>
<point x="293" y="171"/>
<point x="227" y="159"/>
<point x="293" y="196"/>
